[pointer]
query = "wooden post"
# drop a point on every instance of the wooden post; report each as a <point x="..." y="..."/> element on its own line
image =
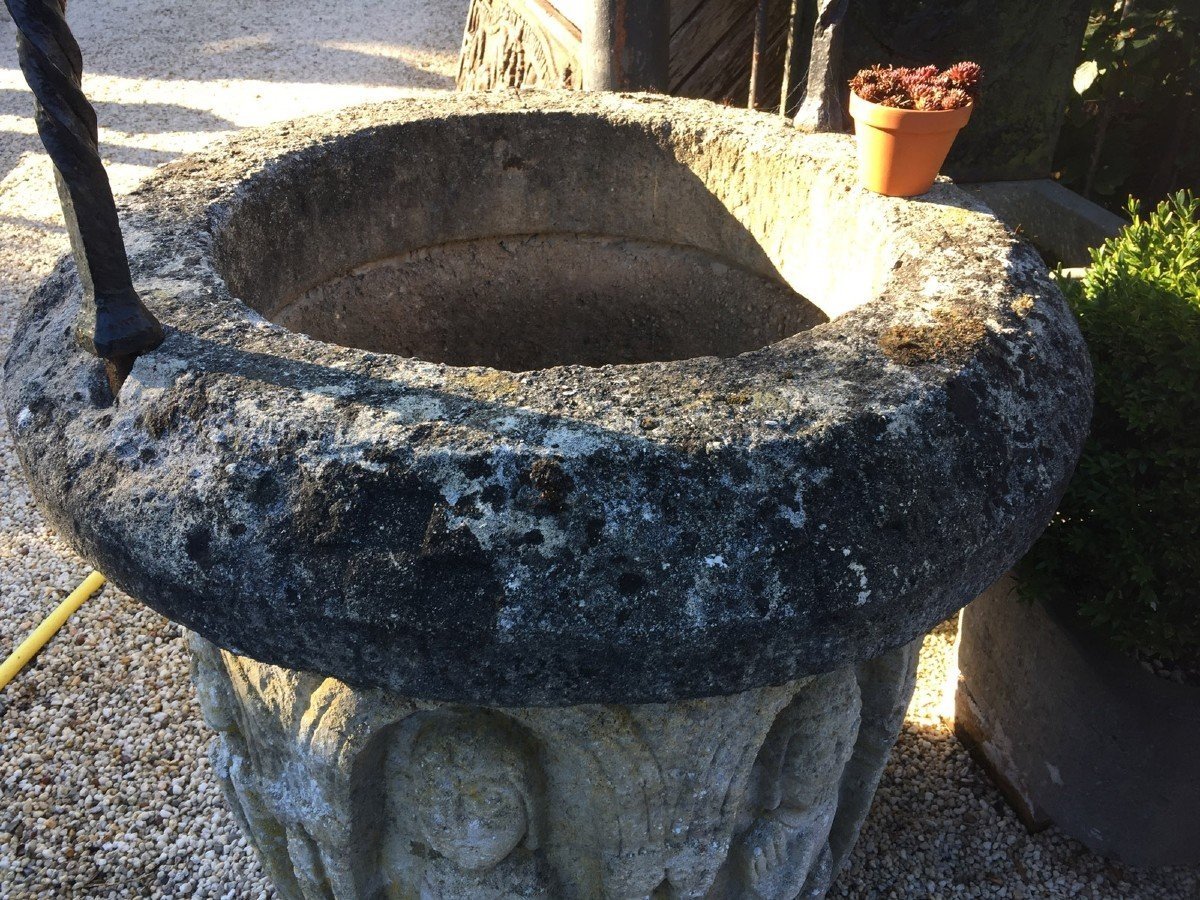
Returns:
<point x="795" y="57"/>
<point x="756" y="52"/>
<point x="626" y="45"/>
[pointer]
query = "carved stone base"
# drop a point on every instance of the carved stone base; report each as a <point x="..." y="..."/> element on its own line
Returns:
<point x="352" y="793"/>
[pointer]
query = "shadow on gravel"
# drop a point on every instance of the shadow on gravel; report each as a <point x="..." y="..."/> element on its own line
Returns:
<point x="364" y="58"/>
<point x="124" y="118"/>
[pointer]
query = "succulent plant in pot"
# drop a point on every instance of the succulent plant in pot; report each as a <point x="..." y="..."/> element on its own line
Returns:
<point x="906" y="120"/>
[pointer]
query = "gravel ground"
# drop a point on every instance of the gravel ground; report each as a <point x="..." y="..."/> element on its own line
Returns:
<point x="105" y="789"/>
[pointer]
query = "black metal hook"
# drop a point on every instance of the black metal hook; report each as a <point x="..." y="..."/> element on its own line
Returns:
<point x="113" y="322"/>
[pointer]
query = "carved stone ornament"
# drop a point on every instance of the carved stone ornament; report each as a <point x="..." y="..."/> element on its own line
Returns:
<point x="351" y="793"/>
<point x="823" y="108"/>
<point x="517" y="44"/>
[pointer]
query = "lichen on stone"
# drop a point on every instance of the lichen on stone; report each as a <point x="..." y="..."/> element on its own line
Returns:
<point x="490" y="383"/>
<point x="1023" y="305"/>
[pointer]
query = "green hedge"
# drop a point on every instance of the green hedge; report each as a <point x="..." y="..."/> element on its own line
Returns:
<point x="1125" y="543"/>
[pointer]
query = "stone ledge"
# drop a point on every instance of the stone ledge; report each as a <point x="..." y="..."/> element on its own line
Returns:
<point x="1057" y="221"/>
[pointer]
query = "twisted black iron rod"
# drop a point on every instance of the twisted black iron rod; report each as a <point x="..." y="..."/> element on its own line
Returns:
<point x="113" y="322"/>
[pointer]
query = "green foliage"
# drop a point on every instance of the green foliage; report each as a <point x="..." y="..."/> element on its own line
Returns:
<point x="1132" y="126"/>
<point x="1125" y="543"/>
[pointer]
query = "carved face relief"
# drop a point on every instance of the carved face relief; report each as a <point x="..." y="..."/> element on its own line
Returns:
<point x="471" y="794"/>
<point x="459" y="808"/>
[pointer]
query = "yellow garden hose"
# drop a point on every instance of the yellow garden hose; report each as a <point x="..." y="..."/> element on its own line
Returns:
<point x="49" y="627"/>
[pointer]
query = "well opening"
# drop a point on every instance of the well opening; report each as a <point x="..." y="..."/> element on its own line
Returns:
<point x="511" y="241"/>
<point x="531" y="301"/>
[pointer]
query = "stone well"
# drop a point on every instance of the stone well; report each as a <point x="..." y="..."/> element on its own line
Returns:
<point x="557" y="486"/>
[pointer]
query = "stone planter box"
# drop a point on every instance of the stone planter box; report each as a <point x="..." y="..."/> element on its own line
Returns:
<point x="1077" y="734"/>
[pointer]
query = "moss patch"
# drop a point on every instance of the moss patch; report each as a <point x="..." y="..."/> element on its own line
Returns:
<point x="951" y="337"/>
<point x="490" y="385"/>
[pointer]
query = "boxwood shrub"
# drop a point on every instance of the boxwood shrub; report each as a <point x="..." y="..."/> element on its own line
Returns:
<point x="1124" y="547"/>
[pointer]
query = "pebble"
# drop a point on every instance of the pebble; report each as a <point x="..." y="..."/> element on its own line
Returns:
<point x="105" y="786"/>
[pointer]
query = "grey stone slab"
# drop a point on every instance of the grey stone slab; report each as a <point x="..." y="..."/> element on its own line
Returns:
<point x="1053" y="218"/>
<point x="1077" y="734"/>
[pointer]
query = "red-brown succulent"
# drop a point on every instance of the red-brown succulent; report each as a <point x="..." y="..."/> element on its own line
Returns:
<point x="923" y="87"/>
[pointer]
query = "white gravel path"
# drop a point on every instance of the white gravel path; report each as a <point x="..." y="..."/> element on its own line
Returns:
<point x="105" y="790"/>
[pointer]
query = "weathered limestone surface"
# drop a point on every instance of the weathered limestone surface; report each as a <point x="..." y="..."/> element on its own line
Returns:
<point x="362" y="793"/>
<point x="696" y="521"/>
<point x="1056" y="220"/>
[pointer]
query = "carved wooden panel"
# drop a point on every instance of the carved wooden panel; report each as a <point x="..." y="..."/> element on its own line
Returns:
<point x="518" y="44"/>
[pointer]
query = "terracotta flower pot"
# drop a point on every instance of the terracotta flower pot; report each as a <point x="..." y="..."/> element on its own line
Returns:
<point x="900" y="151"/>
